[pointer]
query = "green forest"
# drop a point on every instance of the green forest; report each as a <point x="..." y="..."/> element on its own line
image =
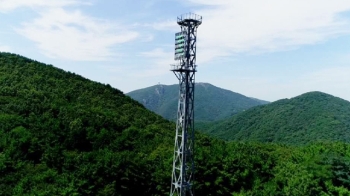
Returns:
<point x="310" y="117"/>
<point x="62" y="134"/>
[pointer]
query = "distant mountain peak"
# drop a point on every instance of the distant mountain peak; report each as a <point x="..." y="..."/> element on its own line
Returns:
<point x="211" y="102"/>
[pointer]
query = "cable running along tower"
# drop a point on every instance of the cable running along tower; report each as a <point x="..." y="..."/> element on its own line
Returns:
<point x="185" y="69"/>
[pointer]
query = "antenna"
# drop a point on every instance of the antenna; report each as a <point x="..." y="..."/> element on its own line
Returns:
<point x="185" y="69"/>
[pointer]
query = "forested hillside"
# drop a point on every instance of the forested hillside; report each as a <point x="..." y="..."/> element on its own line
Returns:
<point x="211" y="103"/>
<point x="61" y="134"/>
<point x="313" y="116"/>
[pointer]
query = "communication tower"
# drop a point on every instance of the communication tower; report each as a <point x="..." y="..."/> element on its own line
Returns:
<point x="185" y="69"/>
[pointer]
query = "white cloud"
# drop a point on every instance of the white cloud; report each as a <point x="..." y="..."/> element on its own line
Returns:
<point x="73" y="35"/>
<point x="9" y="5"/>
<point x="231" y="27"/>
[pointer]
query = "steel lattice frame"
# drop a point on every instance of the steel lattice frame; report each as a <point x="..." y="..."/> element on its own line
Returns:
<point x="183" y="165"/>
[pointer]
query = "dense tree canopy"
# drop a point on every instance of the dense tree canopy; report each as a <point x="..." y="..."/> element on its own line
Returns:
<point x="61" y="134"/>
<point x="313" y="116"/>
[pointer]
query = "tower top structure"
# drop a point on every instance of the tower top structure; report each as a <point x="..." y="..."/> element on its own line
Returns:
<point x="189" y="19"/>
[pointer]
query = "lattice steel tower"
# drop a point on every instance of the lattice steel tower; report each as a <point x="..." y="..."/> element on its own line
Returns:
<point x="185" y="54"/>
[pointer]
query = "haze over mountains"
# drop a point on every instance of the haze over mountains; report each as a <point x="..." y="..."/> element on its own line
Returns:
<point x="211" y="103"/>
<point x="62" y="134"/>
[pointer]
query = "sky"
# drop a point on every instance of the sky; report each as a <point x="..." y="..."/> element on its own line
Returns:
<point x="270" y="50"/>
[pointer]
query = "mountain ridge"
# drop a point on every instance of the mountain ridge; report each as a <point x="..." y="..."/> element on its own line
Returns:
<point x="211" y="102"/>
<point x="310" y="116"/>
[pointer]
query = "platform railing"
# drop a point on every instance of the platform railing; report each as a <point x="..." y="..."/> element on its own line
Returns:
<point x="190" y="16"/>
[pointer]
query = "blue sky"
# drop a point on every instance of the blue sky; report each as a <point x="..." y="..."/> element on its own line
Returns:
<point x="269" y="49"/>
